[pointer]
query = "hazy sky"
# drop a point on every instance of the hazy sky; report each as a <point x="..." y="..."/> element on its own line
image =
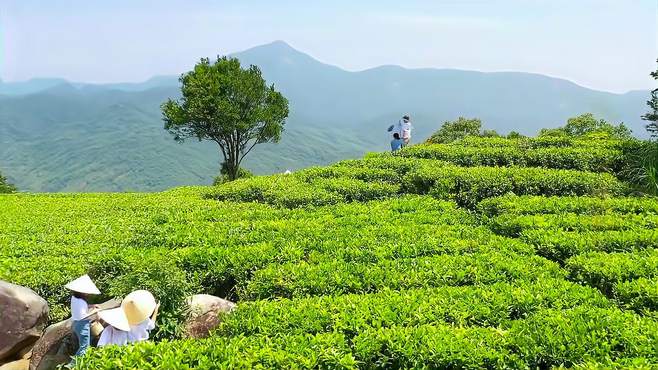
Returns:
<point x="604" y="44"/>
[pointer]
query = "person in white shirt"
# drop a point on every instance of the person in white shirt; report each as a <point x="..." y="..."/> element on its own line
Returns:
<point x="80" y="289"/>
<point x="117" y="330"/>
<point x="141" y="331"/>
<point x="141" y="310"/>
<point x="404" y="129"/>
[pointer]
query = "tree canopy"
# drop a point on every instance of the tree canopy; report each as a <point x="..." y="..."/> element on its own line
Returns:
<point x="652" y="116"/>
<point x="229" y="105"/>
<point x="587" y="124"/>
<point x="5" y="186"/>
<point x="454" y="130"/>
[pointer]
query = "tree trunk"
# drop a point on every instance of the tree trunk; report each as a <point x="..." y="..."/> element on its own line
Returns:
<point x="232" y="166"/>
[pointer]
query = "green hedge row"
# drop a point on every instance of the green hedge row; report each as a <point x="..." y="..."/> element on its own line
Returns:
<point x="355" y="181"/>
<point x="605" y="270"/>
<point x="541" y="142"/>
<point x="559" y="245"/>
<point x="528" y="205"/>
<point x="490" y="305"/>
<point x="291" y="192"/>
<point x="513" y="225"/>
<point x="469" y="186"/>
<point x="322" y="351"/>
<point x="629" y="278"/>
<point x="339" y="277"/>
<point x="638" y="363"/>
<point x="218" y="268"/>
<point x="547" y="338"/>
<point x="584" y="159"/>
<point x="640" y="295"/>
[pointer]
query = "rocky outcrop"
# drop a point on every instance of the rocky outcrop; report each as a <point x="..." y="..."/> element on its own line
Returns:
<point x="205" y="314"/>
<point x="16" y="365"/>
<point x="24" y="316"/>
<point x="55" y="347"/>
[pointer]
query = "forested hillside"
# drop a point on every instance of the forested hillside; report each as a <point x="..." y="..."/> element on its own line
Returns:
<point x="64" y="136"/>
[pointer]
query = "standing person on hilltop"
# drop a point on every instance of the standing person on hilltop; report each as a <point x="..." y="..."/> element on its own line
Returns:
<point x="404" y="129"/>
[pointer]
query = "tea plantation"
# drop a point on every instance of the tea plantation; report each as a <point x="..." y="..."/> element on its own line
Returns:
<point x="483" y="253"/>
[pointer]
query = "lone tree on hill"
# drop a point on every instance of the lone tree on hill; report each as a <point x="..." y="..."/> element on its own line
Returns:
<point x="587" y="124"/>
<point x="652" y="116"/>
<point x="6" y="187"/>
<point x="454" y="130"/>
<point x="227" y="104"/>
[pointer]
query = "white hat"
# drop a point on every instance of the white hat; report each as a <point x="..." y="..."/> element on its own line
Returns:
<point x="83" y="284"/>
<point x="115" y="317"/>
<point x="138" y="306"/>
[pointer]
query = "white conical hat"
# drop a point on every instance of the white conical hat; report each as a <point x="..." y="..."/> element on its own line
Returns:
<point x="83" y="284"/>
<point x="115" y="317"/>
<point x="138" y="306"/>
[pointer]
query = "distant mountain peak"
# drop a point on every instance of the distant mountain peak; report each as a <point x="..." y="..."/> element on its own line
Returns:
<point x="278" y="48"/>
<point x="279" y="43"/>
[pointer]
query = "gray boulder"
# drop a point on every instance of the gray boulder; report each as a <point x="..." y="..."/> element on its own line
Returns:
<point x="205" y="314"/>
<point x="24" y="316"/>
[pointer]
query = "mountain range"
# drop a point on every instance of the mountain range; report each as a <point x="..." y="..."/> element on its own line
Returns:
<point x="60" y="136"/>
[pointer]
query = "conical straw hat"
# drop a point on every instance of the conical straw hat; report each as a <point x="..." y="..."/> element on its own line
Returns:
<point x="138" y="306"/>
<point x="115" y="317"/>
<point x="83" y="284"/>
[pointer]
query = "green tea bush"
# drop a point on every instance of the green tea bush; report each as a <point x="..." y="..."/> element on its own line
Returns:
<point x="529" y="205"/>
<point x="639" y="363"/>
<point x="353" y="190"/>
<point x="292" y="192"/>
<point x="513" y="225"/>
<point x="435" y="347"/>
<point x="566" y="337"/>
<point x="127" y="270"/>
<point x="640" y="295"/>
<point x="338" y="277"/>
<point x="543" y="142"/>
<point x="559" y="245"/>
<point x="548" y="338"/>
<point x="353" y="169"/>
<point x="323" y="351"/>
<point x="628" y="278"/>
<point x="583" y="159"/>
<point x="490" y="305"/>
<point x="468" y="186"/>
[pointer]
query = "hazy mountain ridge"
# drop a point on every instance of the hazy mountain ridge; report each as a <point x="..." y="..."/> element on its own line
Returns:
<point x="61" y="136"/>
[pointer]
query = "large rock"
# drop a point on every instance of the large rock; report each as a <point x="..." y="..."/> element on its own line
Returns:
<point x="55" y="347"/>
<point x="23" y="317"/>
<point x="205" y="314"/>
<point x="16" y="365"/>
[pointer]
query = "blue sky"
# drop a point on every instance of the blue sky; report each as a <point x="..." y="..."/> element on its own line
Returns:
<point x="604" y="44"/>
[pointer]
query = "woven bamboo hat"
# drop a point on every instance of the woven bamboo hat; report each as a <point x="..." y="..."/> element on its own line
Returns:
<point x="115" y="317"/>
<point x="83" y="284"/>
<point x="138" y="306"/>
